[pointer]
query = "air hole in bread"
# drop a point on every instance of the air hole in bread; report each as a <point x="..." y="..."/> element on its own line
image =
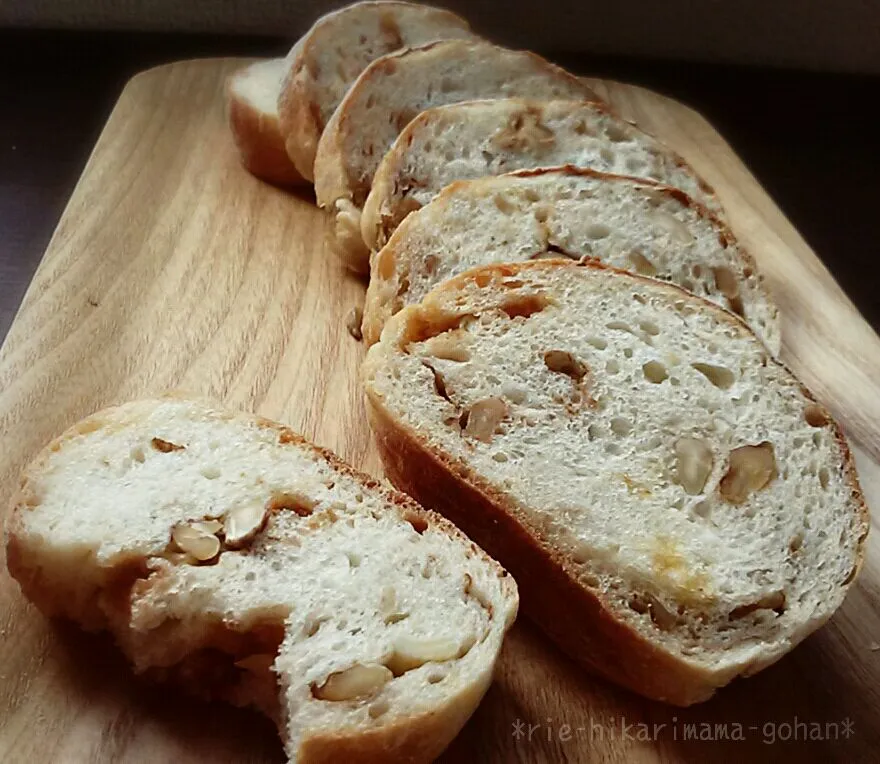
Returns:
<point x="354" y="560"/>
<point x="796" y="542"/>
<point x="824" y="476"/>
<point x="649" y="327"/>
<point x="621" y="426"/>
<point x="210" y="473"/>
<point x="503" y="204"/>
<point x="598" y="231"/>
<point x="137" y="453"/>
<point x="418" y="523"/>
<point x="439" y="382"/>
<point x="435" y="677"/>
<point x="627" y="352"/>
<point x="525" y="305"/>
<point x="393" y="618"/>
<point x="719" y="376"/>
<point x="615" y="132"/>
<point x="655" y="372"/>
<point x="612" y="449"/>
<point x="607" y="155"/>
<point x="597" y="342"/>
<point x="298" y="503"/>
<point x="612" y="366"/>
<point x="635" y="165"/>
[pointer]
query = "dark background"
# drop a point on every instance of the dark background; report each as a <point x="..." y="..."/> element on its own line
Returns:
<point x="810" y="138"/>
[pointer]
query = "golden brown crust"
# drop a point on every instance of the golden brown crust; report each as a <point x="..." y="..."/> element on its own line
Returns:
<point x="571" y="613"/>
<point x="258" y="139"/>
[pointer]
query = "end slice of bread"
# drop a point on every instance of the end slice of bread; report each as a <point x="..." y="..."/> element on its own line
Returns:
<point x="630" y="223"/>
<point x="676" y="507"/>
<point x="225" y="552"/>
<point x="394" y="89"/>
<point x="478" y="138"/>
<point x="252" y="107"/>
<point x="322" y="65"/>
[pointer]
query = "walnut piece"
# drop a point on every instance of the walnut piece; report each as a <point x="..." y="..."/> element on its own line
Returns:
<point x="411" y="652"/>
<point x="750" y="469"/>
<point x="483" y="418"/>
<point x="196" y="540"/>
<point x="693" y="464"/>
<point x="564" y="362"/>
<point x="243" y="523"/>
<point x="362" y="680"/>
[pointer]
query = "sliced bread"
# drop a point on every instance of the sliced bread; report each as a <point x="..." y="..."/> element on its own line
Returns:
<point x="677" y="509"/>
<point x="225" y="552"/>
<point x="630" y="223"/>
<point x="252" y="107"/>
<point x="329" y="57"/>
<point x="393" y="90"/>
<point x="478" y="138"/>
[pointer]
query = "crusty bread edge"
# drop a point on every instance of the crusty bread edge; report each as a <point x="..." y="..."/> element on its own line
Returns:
<point x="570" y="614"/>
<point x="299" y="115"/>
<point x="377" y="312"/>
<point x="259" y="141"/>
<point x="414" y="738"/>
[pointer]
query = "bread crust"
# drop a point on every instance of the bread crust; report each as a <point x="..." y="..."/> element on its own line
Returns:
<point x="570" y="613"/>
<point x="257" y="137"/>
<point x="378" y="309"/>
<point x="298" y="108"/>
<point x="416" y="737"/>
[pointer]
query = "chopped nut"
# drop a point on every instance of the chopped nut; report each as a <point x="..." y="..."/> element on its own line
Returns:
<point x="564" y="362"/>
<point x="773" y="601"/>
<point x="195" y="541"/>
<point x="483" y="418"/>
<point x="358" y="681"/>
<point x="243" y="523"/>
<point x="693" y="464"/>
<point x="165" y="446"/>
<point x="751" y="469"/>
<point x="353" y="322"/>
<point x="660" y="614"/>
<point x="525" y="133"/>
<point x="411" y="652"/>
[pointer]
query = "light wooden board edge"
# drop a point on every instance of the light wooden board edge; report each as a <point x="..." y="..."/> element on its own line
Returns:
<point x="58" y="319"/>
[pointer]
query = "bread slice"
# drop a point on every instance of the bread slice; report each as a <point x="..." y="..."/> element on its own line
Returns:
<point x="224" y="551"/>
<point x="329" y="57"/>
<point x="675" y="506"/>
<point x="626" y="222"/>
<point x="478" y="138"/>
<point x="394" y="89"/>
<point x="252" y="107"/>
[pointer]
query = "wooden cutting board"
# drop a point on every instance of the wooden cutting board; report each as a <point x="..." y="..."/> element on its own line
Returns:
<point x="172" y="268"/>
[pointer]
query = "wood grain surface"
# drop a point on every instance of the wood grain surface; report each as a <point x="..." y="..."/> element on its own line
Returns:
<point x="173" y="269"/>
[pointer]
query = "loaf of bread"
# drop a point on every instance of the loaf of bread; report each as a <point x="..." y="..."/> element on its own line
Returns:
<point x="676" y="508"/>
<point x="329" y="57"/>
<point x="394" y="89"/>
<point x="478" y="138"/>
<point x="252" y="108"/>
<point x="626" y="222"/>
<point x="225" y="552"/>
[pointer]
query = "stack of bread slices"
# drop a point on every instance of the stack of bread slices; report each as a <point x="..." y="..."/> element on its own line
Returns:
<point x="573" y="361"/>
